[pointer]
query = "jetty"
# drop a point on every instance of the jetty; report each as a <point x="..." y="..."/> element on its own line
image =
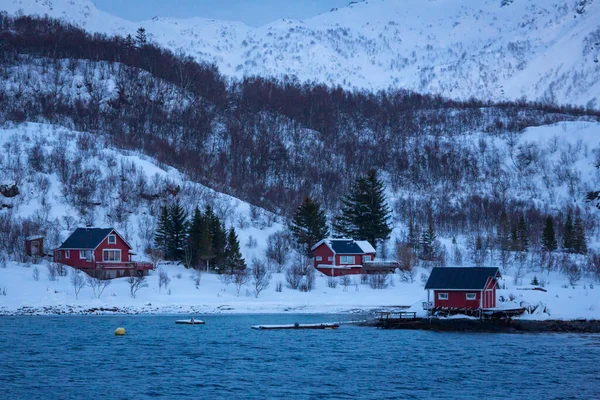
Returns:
<point x="297" y="326"/>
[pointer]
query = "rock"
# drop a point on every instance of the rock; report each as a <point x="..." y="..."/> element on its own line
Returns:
<point x="10" y="190"/>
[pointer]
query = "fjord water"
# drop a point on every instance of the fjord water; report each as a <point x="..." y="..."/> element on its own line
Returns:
<point x="78" y="357"/>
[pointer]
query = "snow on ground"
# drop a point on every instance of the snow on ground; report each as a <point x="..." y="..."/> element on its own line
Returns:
<point x="561" y="301"/>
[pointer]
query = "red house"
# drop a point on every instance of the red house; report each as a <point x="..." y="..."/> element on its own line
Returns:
<point x="100" y="252"/>
<point x="462" y="289"/>
<point x="336" y="257"/>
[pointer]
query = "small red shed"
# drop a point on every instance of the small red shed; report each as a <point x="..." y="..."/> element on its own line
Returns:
<point x="462" y="288"/>
<point x="101" y="252"/>
<point x="336" y="257"/>
<point x="34" y="246"/>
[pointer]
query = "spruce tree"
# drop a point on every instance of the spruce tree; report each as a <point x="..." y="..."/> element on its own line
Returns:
<point x="194" y="236"/>
<point x="504" y="232"/>
<point x="522" y="235"/>
<point x="579" y="240"/>
<point x="234" y="261"/>
<point x="426" y="244"/>
<point x="365" y="212"/>
<point x="140" y="37"/>
<point x="178" y="232"/>
<point x="568" y="235"/>
<point x="309" y="224"/>
<point x="548" y="236"/>
<point x="161" y="238"/>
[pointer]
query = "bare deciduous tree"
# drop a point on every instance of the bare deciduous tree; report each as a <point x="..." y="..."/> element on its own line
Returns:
<point x="136" y="283"/>
<point x="196" y="277"/>
<point x="163" y="280"/>
<point x="240" y="278"/>
<point x="98" y="285"/>
<point x="278" y="249"/>
<point x="77" y="281"/>
<point x="261" y="277"/>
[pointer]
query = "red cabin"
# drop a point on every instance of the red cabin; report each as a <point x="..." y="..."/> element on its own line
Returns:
<point x="34" y="246"/>
<point x="101" y="252"/>
<point x="462" y="288"/>
<point x="336" y="257"/>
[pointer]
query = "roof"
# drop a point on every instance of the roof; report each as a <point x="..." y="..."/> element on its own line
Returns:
<point x="346" y="246"/>
<point x="86" y="238"/>
<point x="460" y="278"/>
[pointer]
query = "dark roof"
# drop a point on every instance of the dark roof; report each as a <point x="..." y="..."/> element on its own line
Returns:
<point x="86" y="238"/>
<point x="460" y="278"/>
<point x="345" y="246"/>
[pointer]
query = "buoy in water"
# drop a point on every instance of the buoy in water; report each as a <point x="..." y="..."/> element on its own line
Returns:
<point x="120" y="331"/>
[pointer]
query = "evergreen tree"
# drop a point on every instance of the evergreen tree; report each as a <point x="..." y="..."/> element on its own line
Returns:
<point x="548" y="236"/>
<point x="504" y="232"/>
<point x="129" y="42"/>
<point x="428" y="238"/>
<point x="140" y="37"/>
<point x="233" y="258"/>
<point x="365" y="213"/>
<point x="218" y="236"/>
<point x="309" y="224"/>
<point x="514" y="238"/>
<point x="413" y="236"/>
<point x="568" y="235"/>
<point x="579" y="240"/>
<point x="177" y="232"/>
<point x="522" y="235"/>
<point x="161" y="238"/>
<point x="199" y="239"/>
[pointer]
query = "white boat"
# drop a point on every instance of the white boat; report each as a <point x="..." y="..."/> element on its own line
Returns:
<point x="190" y="322"/>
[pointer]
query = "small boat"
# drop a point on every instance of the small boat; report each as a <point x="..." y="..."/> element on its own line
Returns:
<point x="297" y="326"/>
<point x="190" y="322"/>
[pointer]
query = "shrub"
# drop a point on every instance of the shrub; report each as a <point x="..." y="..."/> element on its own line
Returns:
<point x="332" y="282"/>
<point x="52" y="272"/>
<point x="36" y="274"/>
<point x="378" y="280"/>
<point x="261" y="277"/>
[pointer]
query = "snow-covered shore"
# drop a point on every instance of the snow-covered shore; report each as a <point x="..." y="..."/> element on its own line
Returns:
<point x="26" y="296"/>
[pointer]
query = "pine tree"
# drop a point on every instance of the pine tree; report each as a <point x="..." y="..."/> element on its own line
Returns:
<point x="428" y="238"/>
<point x="161" y="238"/>
<point x="579" y="240"/>
<point x="140" y="37"/>
<point x="522" y="235"/>
<point x="548" y="236"/>
<point x="309" y="224"/>
<point x="233" y="258"/>
<point x="365" y="212"/>
<point x="129" y="42"/>
<point x="568" y="235"/>
<point x="514" y="238"/>
<point x="177" y="232"/>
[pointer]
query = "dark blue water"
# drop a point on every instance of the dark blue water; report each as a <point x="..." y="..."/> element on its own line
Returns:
<point x="80" y="358"/>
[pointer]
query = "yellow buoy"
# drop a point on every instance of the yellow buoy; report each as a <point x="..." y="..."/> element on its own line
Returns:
<point x="120" y="331"/>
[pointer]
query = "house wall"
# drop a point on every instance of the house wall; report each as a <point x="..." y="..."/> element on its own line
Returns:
<point x="457" y="299"/>
<point x="73" y="261"/>
<point x="324" y="252"/>
<point x="489" y="294"/>
<point x="340" y="271"/>
<point x="119" y="245"/>
<point x="358" y="258"/>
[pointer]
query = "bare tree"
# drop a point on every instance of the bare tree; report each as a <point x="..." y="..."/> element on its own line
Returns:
<point x="77" y="281"/>
<point x="240" y="278"/>
<point x="573" y="273"/>
<point x="163" y="280"/>
<point x="261" y="277"/>
<point x="345" y="281"/>
<point x="52" y="272"/>
<point x="196" y="276"/>
<point x="98" y="285"/>
<point x="278" y="249"/>
<point x="136" y="283"/>
<point x="308" y="283"/>
<point x="407" y="260"/>
<point x="379" y="280"/>
<point x="36" y="274"/>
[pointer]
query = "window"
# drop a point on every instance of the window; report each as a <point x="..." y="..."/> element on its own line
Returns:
<point x="329" y="258"/>
<point x="112" y="239"/>
<point x="367" y="258"/>
<point x="111" y="255"/>
<point x="67" y="254"/>
<point x="59" y="255"/>
<point x="346" y="259"/>
<point x="442" y="296"/>
<point x="85" y="254"/>
<point x="319" y="258"/>
<point x="471" y="296"/>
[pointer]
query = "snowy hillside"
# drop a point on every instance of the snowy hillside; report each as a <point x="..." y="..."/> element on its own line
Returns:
<point x="489" y="49"/>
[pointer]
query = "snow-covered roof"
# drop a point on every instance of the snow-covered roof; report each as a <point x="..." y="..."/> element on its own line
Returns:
<point x="365" y="246"/>
<point x="346" y="246"/>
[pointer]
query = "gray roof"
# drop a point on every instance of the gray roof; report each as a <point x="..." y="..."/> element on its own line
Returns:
<point x="345" y="246"/>
<point x="460" y="278"/>
<point x="86" y="238"/>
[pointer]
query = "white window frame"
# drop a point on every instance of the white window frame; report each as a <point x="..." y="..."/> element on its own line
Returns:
<point x="83" y="255"/>
<point x="115" y="251"/>
<point x="319" y="258"/>
<point x="473" y="295"/>
<point x="345" y="260"/>
<point x="59" y="255"/>
<point x="329" y="258"/>
<point x="67" y="254"/>
<point x="113" y="237"/>
<point x="367" y="258"/>
<point x="442" y="296"/>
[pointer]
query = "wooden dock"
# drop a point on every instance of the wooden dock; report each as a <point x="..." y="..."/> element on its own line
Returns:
<point x="297" y="326"/>
<point x="395" y="319"/>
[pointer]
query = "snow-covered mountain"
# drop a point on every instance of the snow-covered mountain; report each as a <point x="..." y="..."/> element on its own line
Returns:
<point x="489" y="49"/>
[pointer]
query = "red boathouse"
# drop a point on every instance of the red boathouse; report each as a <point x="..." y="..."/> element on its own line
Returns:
<point x="336" y="257"/>
<point x="100" y="252"/>
<point x="462" y="289"/>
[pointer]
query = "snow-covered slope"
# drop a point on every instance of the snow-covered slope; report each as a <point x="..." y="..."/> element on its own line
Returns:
<point x="490" y="49"/>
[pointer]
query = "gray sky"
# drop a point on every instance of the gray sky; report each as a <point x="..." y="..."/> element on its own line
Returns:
<point x="251" y="12"/>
